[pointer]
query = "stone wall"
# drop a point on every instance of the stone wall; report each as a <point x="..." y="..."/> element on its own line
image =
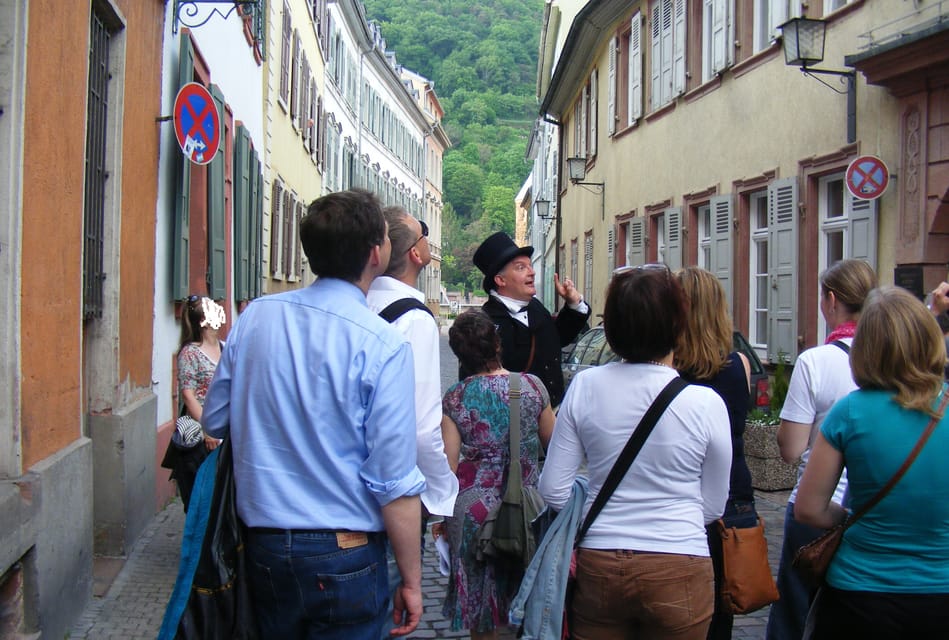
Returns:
<point x="768" y="471"/>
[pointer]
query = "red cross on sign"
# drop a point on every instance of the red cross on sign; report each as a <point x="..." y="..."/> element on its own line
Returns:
<point x="197" y="123"/>
<point x="867" y="178"/>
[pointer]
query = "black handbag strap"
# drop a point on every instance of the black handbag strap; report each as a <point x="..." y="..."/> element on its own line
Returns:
<point x="630" y="451"/>
<point x="906" y="463"/>
<point x="842" y="345"/>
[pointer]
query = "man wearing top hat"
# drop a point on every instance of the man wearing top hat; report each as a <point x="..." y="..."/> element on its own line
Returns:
<point x="530" y="338"/>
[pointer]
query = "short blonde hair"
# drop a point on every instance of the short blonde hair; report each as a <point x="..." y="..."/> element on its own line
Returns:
<point x="899" y="347"/>
<point x="702" y="349"/>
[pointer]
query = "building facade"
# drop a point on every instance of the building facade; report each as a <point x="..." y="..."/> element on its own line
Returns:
<point x="695" y="143"/>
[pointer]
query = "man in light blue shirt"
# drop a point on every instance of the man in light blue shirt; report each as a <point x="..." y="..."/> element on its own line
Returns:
<point x="314" y="391"/>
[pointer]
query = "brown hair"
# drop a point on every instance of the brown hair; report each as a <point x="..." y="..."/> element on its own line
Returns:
<point x="703" y="347"/>
<point x="644" y="313"/>
<point x="475" y="342"/>
<point x="850" y="280"/>
<point x="899" y="347"/>
<point x="191" y="316"/>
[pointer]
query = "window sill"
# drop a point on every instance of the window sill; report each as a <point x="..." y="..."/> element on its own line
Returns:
<point x="667" y="108"/>
<point x="705" y="88"/>
<point x="757" y="59"/>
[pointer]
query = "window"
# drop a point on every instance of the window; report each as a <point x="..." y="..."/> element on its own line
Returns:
<point x="768" y="15"/>
<point x="782" y="270"/>
<point x="248" y="218"/>
<point x="285" y="59"/>
<point x="833" y="5"/>
<point x="704" y="225"/>
<point x="588" y="267"/>
<point x="717" y="37"/>
<point x="585" y="120"/>
<point x="97" y="172"/>
<point x="758" y="301"/>
<point x="668" y="51"/>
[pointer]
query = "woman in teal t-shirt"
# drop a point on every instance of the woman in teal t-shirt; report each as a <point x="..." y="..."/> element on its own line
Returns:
<point x="890" y="576"/>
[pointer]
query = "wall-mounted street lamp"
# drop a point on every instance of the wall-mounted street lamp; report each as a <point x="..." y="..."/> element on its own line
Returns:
<point x="803" y="42"/>
<point x="577" y="170"/>
<point x="542" y="209"/>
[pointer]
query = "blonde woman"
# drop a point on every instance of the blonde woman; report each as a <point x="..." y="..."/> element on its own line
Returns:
<point x="821" y="377"/>
<point x="890" y="576"/>
<point x="703" y="355"/>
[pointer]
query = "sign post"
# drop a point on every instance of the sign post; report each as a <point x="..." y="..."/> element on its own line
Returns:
<point x="197" y="123"/>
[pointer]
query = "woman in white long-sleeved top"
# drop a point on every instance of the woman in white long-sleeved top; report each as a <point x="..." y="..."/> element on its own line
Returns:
<point x="643" y="567"/>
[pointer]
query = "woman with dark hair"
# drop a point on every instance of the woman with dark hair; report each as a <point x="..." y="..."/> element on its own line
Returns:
<point x="704" y="356"/>
<point x="821" y="377"/>
<point x="890" y="575"/>
<point x="476" y="431"/>
<point x="643" y="567"/>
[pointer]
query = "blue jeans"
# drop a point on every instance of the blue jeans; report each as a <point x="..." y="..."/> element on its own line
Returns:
<point x="305" y="586"/>
<point x="788" y="614"/>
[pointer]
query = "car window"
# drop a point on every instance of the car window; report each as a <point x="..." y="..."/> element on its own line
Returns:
<point x="581" y="348"/>
<point x="608" y="355"/>
<point x="741" y="345"/>
<point x="592" y="354"/>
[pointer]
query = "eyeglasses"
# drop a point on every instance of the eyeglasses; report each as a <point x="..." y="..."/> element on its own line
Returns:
<point x="193" y="298"/>
<point x="424" y="235"/>
<point x="652" y="266"/>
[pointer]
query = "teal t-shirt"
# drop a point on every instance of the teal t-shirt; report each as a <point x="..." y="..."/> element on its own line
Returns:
<point x="902" y="544"/>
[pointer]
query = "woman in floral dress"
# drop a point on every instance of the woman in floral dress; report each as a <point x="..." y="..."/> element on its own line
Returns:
<point x="476" y="432"/>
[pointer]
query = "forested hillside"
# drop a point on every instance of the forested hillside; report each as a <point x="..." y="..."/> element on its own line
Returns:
<point x="482" y="58"/>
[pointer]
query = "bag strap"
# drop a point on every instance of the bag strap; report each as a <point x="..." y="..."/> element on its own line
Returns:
<point x="842" y="345"/>
<point x="906" y="463"/>
<point x="631" y="450"/>
<point x="401" y="306"/>
<point x="512" y="490"/>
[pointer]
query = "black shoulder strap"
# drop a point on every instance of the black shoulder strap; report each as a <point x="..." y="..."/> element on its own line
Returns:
<point x="631" y="450"/>
<point x="395" y="310"/>
<point x="843" y="345"/>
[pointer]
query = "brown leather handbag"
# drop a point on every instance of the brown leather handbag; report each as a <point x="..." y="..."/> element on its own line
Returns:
<point x="747" y="584"/>
<point x="813" y="559"/>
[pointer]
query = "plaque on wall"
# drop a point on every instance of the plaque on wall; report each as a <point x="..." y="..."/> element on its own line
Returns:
<point x="910" y="278"/>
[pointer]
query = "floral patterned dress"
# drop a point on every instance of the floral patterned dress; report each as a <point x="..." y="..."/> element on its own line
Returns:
<point x="195" y="370"/>
<point x="479" y="592"/>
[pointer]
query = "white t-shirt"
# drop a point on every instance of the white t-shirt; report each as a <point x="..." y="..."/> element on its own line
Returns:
<point x="677" y="484"/>
<point x="821" y="377"/>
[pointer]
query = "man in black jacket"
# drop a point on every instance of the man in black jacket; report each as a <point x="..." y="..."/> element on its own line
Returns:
<point x="530" y="338"/>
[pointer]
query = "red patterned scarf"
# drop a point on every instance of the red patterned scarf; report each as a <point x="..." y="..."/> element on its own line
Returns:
<point x="843" y="330"/>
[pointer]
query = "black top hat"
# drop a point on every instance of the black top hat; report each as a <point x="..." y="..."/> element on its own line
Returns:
<point x="494" y="253"/>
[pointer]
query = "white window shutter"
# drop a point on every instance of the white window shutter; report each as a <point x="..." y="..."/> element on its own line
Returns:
<point x="862" y="232"/>
<point x="678" y="49"/>
<point x="577" y="123"/>
<point x="611" y="90"/>
<point x="673" y="252"/>
<point x="720" y="237"/>
<point x="779" y="15"/>
<point x="594" y="110"/>
<point x="655" y="58"/>
<point x="719" y="33"/>
<point x="584" y="101"/>
<point x="637" y="241"/>
<point x="634" y="100"/>
<point x="782" y="269"/>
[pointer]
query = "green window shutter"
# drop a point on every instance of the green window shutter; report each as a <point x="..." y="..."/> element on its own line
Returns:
<point x="181" y="240"/>
<point x="673" y="222"/>
<point x="782" y="269"/>
<point x="720" y="237"/>
<point x="862" y="234"/>
<point x="242" y="194"/>
<point x="254" y="219"/>
<point x="217" y="241"/>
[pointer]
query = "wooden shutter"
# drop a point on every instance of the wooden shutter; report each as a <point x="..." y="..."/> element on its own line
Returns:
<point x="778" y="12"/>
<point x="217" y="240"/>
<point x="611" y="249"/>
<point x="258" y="239"/>
<point x="655" y="57"/>
<point x="295" y="81"/>
<point x="678" y="48"/>
<point x="297" y="249"/>
<point x="718" y="14"/>
<point x="285" y="55"/>
<point x="242" y="193"/>
<point x="862" y="230"/>
<point x="594" y="107"/>
<point x="181" y="263"/>
<point x="577" y="123"/>
<point x="673" y="222"/>
<point x="253" y="222"/>
<point x="634" y="99"/>
<point x="782" y="269"/>
<point x="637" y="241"/>
<point x="720" y="238"/>
<point x="584" y="107"/>
<point x="611" y="89"/>
<point x="276" y="226"/>
<point x="288" y="215"/>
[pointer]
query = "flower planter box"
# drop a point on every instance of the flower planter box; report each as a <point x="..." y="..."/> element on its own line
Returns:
<point x="768" y="471"/>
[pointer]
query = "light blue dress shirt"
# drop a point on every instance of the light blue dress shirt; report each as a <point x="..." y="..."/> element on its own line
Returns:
<point x="315" y="392"/>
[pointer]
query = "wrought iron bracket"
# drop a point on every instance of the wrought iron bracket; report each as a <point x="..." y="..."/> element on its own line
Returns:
<point x="188" y="13"/>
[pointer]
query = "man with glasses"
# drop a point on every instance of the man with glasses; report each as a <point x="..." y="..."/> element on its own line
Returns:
<point x="394" y="296"/>
<point x="531" y="339"/>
